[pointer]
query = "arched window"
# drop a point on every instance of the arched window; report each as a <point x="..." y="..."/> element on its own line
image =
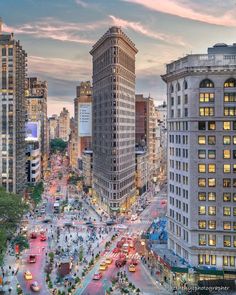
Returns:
<point x="178" y="86"/>
<point x="206" y="83"/>
<point x="171" y="88"/>
<point x="185" y="84"/>
<point x="230" y="83"/>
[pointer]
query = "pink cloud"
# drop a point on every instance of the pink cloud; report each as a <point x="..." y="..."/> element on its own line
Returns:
<point x="140" y="28"/>
<point x="81" y="3"/>
<point x="176" y="7"/>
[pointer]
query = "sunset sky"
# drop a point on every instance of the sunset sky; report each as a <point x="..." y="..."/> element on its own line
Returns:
<point x="58" y="35"/>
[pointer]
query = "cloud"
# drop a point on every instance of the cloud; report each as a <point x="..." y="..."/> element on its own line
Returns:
<point x="81" y="3"/>
<point x="60" y="68"/>
<point x="140" y="28"/>
<point x="192" y="10"/>
<point x="57" y="30"/>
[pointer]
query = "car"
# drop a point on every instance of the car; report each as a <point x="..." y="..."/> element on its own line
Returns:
<point x="88" y="222"/>
<point x="109" y="260"/>
<point x="33" y="235"/>
<point x="116" y="250"/>
<point x="32" y="259"/>
<point x="103" y="266"/>
<point x="134" y="261"/>
<point x="97" y="276"/>
<point x="28" y="275"/>
<point x="110" y="222"/>
<point x="35" y="286"/>
<point x="47" y="220"/>
<point x="120" y="262"/>
<point x="43" y="237"/>
<point x="132" y="268"/>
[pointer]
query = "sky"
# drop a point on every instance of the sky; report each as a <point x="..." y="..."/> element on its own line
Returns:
<point x="58" y="35"/>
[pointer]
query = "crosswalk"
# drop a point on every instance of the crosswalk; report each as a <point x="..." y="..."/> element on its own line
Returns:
<point x="129" y="256"/>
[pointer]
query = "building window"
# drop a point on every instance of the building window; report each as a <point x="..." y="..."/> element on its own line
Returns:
<point x="201" y="154"/>
<point x="202" y="224"/>
<point x="211" y="125"/>
<point x="202" y="125"/>
<point x="226" y="125"/>
<point x="185" y="84"/>
<point x="226" y="140"/>
<point x="211" y="196"/>
<point x="206" y="83"/>
<point x="178" y="87"/>
<point x="226" y="182"/>
<point x="227" y="197"/>
<point x="206" y="112"/>
<point x="212" y="224"/>
<point x="201" y="182"/>
<point x="206" y="97"/>
<point x="211" y="168"/>
<point x="201" y="168"/>
<point x="202" y="196"/>
<point x="202" y="210"/>
<point x="230" y="83"/>
<point x="201" y="139"/>
<point x="230" y="97"/>
<point x="211" y="210"/>
<point x="227" y="241"/>
<point x="229" y="111"/>
<point x="226" y="154"/>
<point x="227" y="211"/>
<point x="211" y="154"/>
<point x="226" y="168"/>
<point x="211" y="182"/>
<point x="211" y="140"/>
<point x="227" y="225"/>
<point x="202" y="240"/>
<point x="211" y="240"/>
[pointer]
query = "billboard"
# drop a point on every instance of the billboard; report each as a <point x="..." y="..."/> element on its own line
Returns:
<point x="32" y="131"/>
<point x="85" y="119"/>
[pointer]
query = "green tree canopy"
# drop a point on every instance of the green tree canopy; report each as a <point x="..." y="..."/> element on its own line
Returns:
<point x="58" y="145"/>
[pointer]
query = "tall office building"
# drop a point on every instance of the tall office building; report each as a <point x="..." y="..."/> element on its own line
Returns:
<point x="36" y="98"/>
<point x="83" y="117"/>
<point x="64" y="125"/>
<point x="201" y="92"/>
<point x="114" y="120"/>
<point x="12" y="114"/>
<point x="53" y="127"/>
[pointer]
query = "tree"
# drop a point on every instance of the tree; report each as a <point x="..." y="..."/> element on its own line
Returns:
<point x="58" y="145"/>
<point x="22" y="242"/>
<point x="12" y="209"/>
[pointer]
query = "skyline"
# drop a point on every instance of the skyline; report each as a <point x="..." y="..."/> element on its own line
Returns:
<point x="58" y="39"/>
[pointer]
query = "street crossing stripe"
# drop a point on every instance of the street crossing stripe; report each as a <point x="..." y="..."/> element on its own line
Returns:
<point x="130" y="256"/>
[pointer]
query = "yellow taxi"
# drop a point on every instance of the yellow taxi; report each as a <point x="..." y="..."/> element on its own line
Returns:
<point x="108" y="260"/>
<point x="28" y="275"/>
<point x="103" y="266"/>
<point x="132" y="268"/>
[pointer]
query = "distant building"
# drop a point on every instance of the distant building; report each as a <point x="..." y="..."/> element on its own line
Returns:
<point x="201" y="93"/>
<point x="33" y="161"/>
<point x="53" y="127"/>
<point x="141" y="171"/>
<point x="83" y="117"/>
<point x="36" y="93"/>
<point x="114" y="120"/>
<point x="87" y="159"/>
<point x="12" y="113"/>
<point x="73" y="145"/>
<point x="64" y="125"/>
<point x="145" y="129"/>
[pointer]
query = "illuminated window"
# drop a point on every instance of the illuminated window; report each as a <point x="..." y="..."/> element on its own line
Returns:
<point x="230" y="111"/>
<point x="230" y="97"/>
<point x="227" y="211"/>
<point x="227" y="225"/>
<point x="226" y="182"/>
<point x="202" y="239"/>
<point x="207" y="111"/>
<point x="211" y="125"/>
<point x="211" y="240"/>
<point x="211" y="196"/>
<point x="234" y="168"/>
<point x="232" y="260"/>
<point x="201" y="168"/>
<point x="227" y="241"/>
<point x="211" y="182"/>
<point x="206" y="83"/>
<point x="211" y="140"/>
<point x="226" y="140"/>
<point x="211" y="210"/>
<point x="230" y="83"/>
<point x="211" y="154"/>
<point x="226" y="168"/>
<point x="202" y="196"/>
<point x="202" y="210"/>
<point x="201" y="139"/>
<point x="234" y="197"/>
<point x="226" y="125"/>
<point x="213" y="259"/>
<point x="200" y="259"/>
<point x="201" y="154"/>
<point x="201" y="182"/>
<point x="206" y="97"/>
<point x="234" y="139"/>
<point x="202" y="224"/>
<point x="211" y="168"/>
<point x="234" y="211"/>
<point x="225" y="261"/>
<point x="226" y="197"/>
<point x="234" y="225"/>
<point x="234" y="241"/>
<point x="212" y="224"/>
